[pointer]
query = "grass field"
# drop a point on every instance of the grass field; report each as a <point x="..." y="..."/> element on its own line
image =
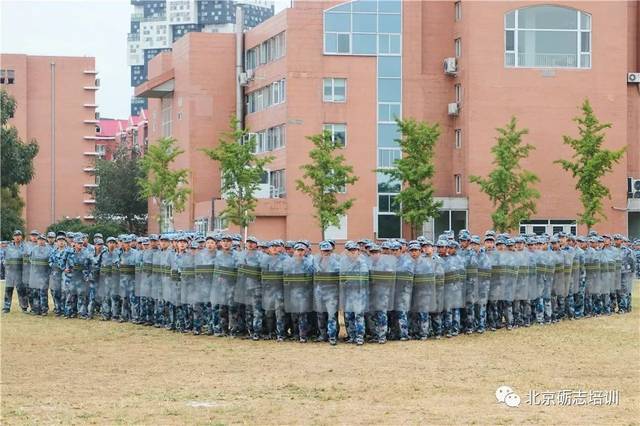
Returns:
<point x="58" y="371"/>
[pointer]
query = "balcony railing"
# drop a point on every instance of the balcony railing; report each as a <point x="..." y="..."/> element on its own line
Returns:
<point x="541" y="60"/>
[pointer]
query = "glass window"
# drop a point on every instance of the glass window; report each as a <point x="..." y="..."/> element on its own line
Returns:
<point x="389" y="6"/>
<point x="394" y="43"/>
<point x="389" y="226"/>
<point x="337" y="22"/>
<point x="389" y="66"/>
<point x="547" y="17"/>
<point x="458" y="10"/>
<point x="389" y="89"/>
<point x="338" y="133"/>
<point x="458" y="136"/>
<point x="364" y="44"/>
<point x="457" y="46"/>
<point x="334" y="89"/>
<point x="364" y="23"/>
<point x="389" y="23"/>
<point x="387" y="135"/>
<point x="387" y="184"/>
<point x="383" y="43"/>
<point x="331" y="43"/>
<point x="458" y="91"/>
<point x="388" y="156"/>
<point x="458" y="184"/>
<point x="364" y="6"/>
<point x="548" y="37"/>
<point x="388" y="112"/>
<point x="343" y="43"/>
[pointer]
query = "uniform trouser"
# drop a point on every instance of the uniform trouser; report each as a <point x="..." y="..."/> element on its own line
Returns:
<point x="570" y="306"/>
<point x="199" y="310"/>
<point x="452" y="321"/>
<point x="136" y="306"/>
<point x="613" y="301"/>
<point x="469" y="316"/>
<point x="355" y="326"/>
<point x="91" y="301"/>
<point x="380" y="325"/>
<point x="105" y="308"/>
<point x="58" y="301"/>
<point x="23" y="297"/>
<point x="70" y="303"/>
<point x="238" y="318"/>
<point x="493" y="318"/>
<point x="182" y="313"/>
<point x="559" y="307"/>
<point x="301" y="325"/>
<point x="522" y="312"/>
<point x="116" y="306"/>
<point x="158" y="313"/>
<point x="328" y="325"/>
<point x="422" y="325"/>
<point x="505" y="309"/>
<point x="276" y="322"/>
<point x="400" y="324"/>
<point x="170" y="316"/>
<point x="436" y="323"/>
<point x="579" y="300"/>
<point x="81" y="306"/>
<point x="480" y="316"/>
<point x="34" y="300"/>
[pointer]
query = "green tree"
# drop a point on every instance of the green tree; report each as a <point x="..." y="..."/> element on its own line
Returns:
<point x="241" y="170"/>
<point x="415" y="202"/>
<point x="324" y="178"/>
<point x="106" y="228"/>
<point x="590" y="163"/>
<point x="508" y="186"/>
<point x="17" y="156"/>
<point x="166" y="187"/>
<point x="16" y="168"/>
<point x="10" y="212"/>
<point x="118" y="196"/>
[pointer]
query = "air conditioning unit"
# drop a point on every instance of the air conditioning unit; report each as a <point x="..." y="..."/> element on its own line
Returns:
<point x="633" y="77"/>
<point x="450" y="66"/>
<point x="633" y="188"/>
<point x="453" y="108"/>
<point x="242" y="78"/>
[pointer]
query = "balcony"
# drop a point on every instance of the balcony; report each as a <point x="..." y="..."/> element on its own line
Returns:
<point x="90" y="105"/>
<point x="91" y="87"/>
<point x="90" y="185"/>
<point x="89" y="169"/>
<point x="90" y="72"/>
<point x="98" y="138"/>
<point x="93" y="153"/>
<point x="89" y="201"/>
<point x="91" y="121"/>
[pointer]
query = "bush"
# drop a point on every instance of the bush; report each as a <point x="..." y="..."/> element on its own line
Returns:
<point x="107" y="229"/>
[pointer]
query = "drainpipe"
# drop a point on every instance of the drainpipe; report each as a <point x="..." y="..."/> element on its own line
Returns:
<point x="239" y="64"/>
<point x="53" y="141"/>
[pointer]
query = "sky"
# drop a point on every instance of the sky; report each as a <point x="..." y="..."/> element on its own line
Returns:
<point x="77" y="28"/>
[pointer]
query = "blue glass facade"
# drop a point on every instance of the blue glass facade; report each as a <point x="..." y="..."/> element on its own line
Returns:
<point x="374" y="28"/>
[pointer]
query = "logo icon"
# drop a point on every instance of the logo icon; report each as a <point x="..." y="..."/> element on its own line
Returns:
<point x="506" y="395"/>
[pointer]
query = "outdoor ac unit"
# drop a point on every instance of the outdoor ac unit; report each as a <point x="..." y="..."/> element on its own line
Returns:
<point x="450" y="66"/>
<point x="633" y="77"/>
<point x="453" y="108"/>
<point x="243" y="79"/>
<point x="633" y="188"/>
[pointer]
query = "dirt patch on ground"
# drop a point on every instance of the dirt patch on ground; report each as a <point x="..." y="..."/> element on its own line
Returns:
<point x="58" y="371"/>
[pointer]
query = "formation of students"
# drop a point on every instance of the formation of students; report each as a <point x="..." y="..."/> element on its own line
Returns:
<point x="395" y="290"/>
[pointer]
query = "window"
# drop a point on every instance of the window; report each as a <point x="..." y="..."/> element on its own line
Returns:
<point x="458" y="136"/>
<point x="458" y="10"/>
<point x="458" y="183"/>
<point x="547" y="37"/>
<point x="388" y="112"/>
<point x="458" y="47"/>
<point x="334" y="90"/>
<point x="449" y="219"/>
<point x="458" y="89"/>
<point x="167" y="217"/>
<point x="337" y="232"/>
<point x="269" y="95"/>
<point x="3" y="76"/>
<point x="338" y="133"/>
<point x="388" y="156"/>
<point x="270" y="139"/>
<point x="542" y="226"/>
<point x="166" y="107"/>
<point x="11" y="75"/>
<point x="276" y="178"/>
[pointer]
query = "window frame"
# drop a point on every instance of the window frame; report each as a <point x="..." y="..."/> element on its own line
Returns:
<point x="331" y="127"/>
<point x="457" y="178"/>
<point x="458" y="138"/>
<point x="333" y="90"/>
<point x="579" y="30"/>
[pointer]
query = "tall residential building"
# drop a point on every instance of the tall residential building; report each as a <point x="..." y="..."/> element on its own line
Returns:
<point x="56" y="105"/>
<point x="353" y="67"/>
<point x="157" y="24"/>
